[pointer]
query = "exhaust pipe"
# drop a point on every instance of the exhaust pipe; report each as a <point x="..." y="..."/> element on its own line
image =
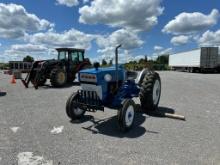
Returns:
<point x="116" y="64"/>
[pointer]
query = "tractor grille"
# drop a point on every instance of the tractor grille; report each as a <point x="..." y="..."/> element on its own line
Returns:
<point x="89" y="100"/>
<point x="90" y="78"/>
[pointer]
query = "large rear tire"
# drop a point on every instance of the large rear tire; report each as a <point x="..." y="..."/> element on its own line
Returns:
<point x="150" y="92"/>
<point x="72" y="111"/>
<point x="58" y="77"/>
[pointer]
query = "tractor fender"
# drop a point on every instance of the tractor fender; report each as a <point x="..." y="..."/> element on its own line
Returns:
<point x="141" y="75"/>
<point x="80" y="66"/>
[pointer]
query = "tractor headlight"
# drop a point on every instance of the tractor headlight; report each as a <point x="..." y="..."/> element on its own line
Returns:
<point x="108" y="77"/>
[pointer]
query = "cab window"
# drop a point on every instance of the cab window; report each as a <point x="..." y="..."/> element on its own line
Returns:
<point x="62" y="55"/>
<point x="80" y="56"/>
<point x="74" y="57"/>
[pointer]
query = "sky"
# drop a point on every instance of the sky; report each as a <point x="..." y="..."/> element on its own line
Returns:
<point x="144" y="27"/>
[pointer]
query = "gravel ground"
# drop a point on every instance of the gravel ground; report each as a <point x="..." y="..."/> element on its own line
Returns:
<point x="35" y="129"/>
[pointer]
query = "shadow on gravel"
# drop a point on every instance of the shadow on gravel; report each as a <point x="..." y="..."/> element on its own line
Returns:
<point x="109" y="127"/>
<point x="83" y="120"/>
<point x="160" y="112"/>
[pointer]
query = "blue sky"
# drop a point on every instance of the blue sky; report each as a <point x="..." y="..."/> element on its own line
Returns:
<point x="143" y="27"/>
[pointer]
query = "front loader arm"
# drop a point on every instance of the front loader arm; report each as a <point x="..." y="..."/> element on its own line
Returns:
<point x="31" y="75"/>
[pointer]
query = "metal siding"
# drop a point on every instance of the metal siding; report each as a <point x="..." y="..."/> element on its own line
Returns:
<point x="206" y="57"/>
<point x="185" y="59"/>
<point x="209" y="57"/>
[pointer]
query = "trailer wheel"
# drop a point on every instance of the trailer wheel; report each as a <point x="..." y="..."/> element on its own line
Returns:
<point x="72" y="111"/>
<point x="150" y="92"/>
<point x="58" y="77"/>
<point x="126" y="115"/>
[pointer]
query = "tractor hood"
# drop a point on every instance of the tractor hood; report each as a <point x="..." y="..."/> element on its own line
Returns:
<point x="98" y="75"/>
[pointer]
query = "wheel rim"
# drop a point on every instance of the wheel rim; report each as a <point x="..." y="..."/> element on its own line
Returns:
<point x="156" y="92"/>
<point x="61" y="77"/>
<point x="77" y="111"/>
<point x="129" y="116"/>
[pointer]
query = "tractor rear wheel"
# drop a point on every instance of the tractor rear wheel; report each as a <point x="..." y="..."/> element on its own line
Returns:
<point x="150" y="92"/>
<point x="58" y="77"/>
<point x="126" y="115"/>
<point x="72" y="111"/>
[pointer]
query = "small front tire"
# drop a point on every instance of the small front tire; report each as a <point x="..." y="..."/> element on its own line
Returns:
<point x="126" y="115"/>
<point x="72" y="111"/>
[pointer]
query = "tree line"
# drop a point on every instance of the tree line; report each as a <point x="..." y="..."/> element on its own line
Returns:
<point x="161" y="63"/>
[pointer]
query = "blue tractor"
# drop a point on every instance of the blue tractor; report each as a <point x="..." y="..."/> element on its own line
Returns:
<point x="115" y="88"/>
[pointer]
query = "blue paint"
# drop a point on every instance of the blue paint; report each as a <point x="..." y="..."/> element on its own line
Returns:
<point x="127" y="88"/>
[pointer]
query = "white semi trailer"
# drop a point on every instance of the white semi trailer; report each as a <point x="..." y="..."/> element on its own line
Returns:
<point x="197" y="60"/>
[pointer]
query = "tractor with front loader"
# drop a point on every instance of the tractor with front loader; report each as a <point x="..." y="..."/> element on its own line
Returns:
<point x="115" y="88"/>
<point x="69" y="62"/>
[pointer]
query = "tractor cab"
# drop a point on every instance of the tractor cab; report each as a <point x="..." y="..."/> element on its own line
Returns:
<point x="71" y="54"/>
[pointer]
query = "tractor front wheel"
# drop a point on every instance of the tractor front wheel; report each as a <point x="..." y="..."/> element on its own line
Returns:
<point x="126" y="115"/>
<point x="150" y="92"/>
<point x="58" y="77"/>
<point x="72" y="111"/>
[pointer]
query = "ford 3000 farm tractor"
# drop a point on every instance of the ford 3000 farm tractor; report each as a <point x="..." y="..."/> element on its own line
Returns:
<point x="115" y="88"/>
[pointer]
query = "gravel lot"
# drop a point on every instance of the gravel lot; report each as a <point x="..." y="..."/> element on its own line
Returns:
<point x="35" y="129"/>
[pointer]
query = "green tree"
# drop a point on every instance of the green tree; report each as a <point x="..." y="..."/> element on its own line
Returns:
<point x="145" y="58"/>
<point x="28" y="59"/>
<point x="110" y="62"/>
<point x="104" y="62"/>
<point x="163" y="59"/>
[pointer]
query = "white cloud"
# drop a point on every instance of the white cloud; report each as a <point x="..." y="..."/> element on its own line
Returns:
<point x="132" y="14"/>
<point x="210" y="38"/>
<point x="69" y="3"/>
<point x="19" y="51"/>
<point x="187" y="23"/>
<point x="0" y="44"/>
<point x="70" y="38"/>
<point x="15" y="21"/>
<point x="166" y="51"/>
<point x="42" y="45"/>
<point x="180" y="40"/>
<point x="28" y="48"/>
<point x="162" y="52"/>
<point x="156" y="47"/>
<point x="128" y="39"/>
